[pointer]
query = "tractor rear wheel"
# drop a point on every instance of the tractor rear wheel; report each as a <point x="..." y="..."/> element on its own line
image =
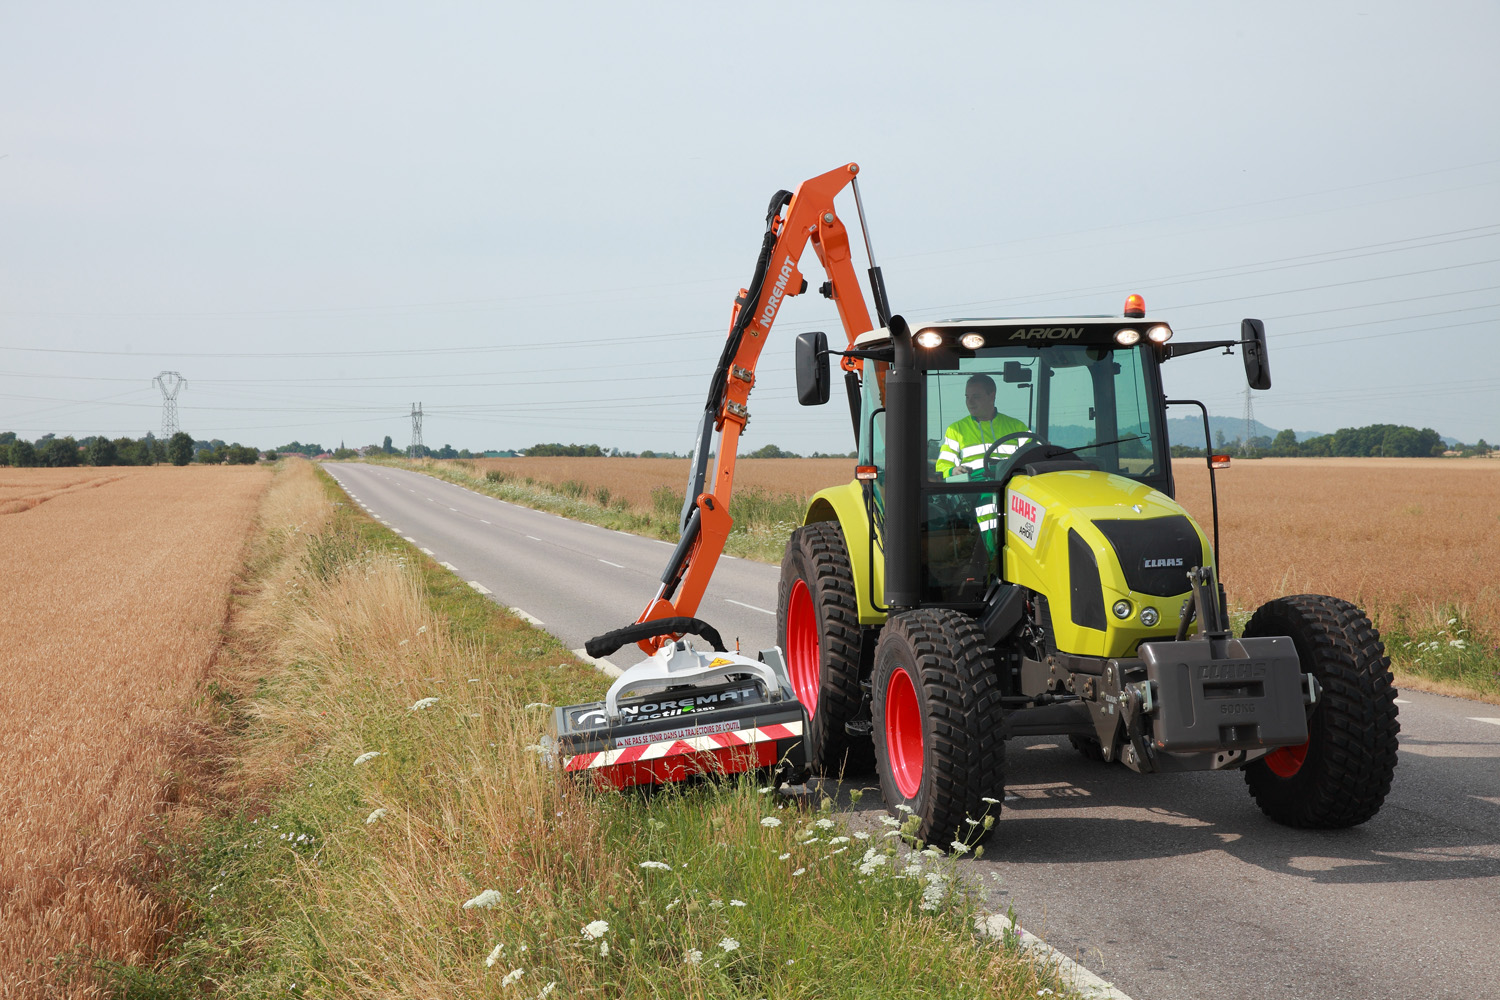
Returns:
<point x="1341" y="775"/>
<point x="817" y="625"/>
<point x="937" y="715"/>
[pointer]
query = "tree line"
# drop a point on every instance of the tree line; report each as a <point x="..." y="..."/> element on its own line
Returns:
<point x="1371" y="441"/>
<point x="51" y="451"/>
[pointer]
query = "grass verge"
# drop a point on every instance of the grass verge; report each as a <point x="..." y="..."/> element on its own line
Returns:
<point x="1449" y="656"/>
<point x="389" y="825"/>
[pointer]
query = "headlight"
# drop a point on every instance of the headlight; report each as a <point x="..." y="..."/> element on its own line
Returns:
<point x="1159" y="334"/>
<point x="1127" y="338"/>
<point x="929" y="338"/>
<point x="1122" y="609"/>
<point x="973" y="341"/>
<point x="1149" y="617"/>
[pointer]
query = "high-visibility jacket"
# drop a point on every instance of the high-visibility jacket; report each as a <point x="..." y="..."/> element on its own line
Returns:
<point x="966" y="441"/>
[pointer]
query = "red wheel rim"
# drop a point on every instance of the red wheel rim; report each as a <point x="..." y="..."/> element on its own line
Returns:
<point x="903" y="733"/>
<point x="1286" y="761"/>
<point x="802" y="646"/>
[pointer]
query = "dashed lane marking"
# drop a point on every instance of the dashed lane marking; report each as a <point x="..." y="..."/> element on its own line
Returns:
<point x="483" y="521"/>
<point x="604" y="666"/>
<point x="533" y="538"/>
<point x="750" y="606"/>
<point x="454" y="509"/>
<point x="429" y="552"/>
<point x="529" y="617"/>
<point x="410" y="539"/>
<point x="449" y="567"/>
<point x="1402" y="701"/>
<point x="1493" y="722"/>
<point x="608" y="563"/>
<point x="479" y="587"/>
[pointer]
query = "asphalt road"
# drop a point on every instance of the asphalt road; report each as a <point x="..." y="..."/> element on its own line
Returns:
<point x="1169" y="886"/>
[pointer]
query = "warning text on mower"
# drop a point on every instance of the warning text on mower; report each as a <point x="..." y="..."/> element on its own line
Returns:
<point x="677" y="734"/>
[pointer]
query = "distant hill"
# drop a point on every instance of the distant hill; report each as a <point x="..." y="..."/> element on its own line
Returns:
<point x="1189" y="430"/>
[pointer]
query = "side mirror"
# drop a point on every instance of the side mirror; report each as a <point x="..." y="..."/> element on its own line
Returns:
<point x="1253" y="348"/>
<point x="1016" y="372"/>
<point x="812" y="368"/>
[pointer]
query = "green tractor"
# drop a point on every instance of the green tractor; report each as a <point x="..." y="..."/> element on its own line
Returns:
<point x="1010" y="561"/>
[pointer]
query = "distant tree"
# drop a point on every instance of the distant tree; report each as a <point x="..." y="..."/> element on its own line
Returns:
<point x="180" y="448"/>
<point x="102" y="451"/>
<point x="7" y="438"/>
<point x="238" y="454"/>
<point x="465" y="453"/>
<point x="1220" y="442"/>
<point x="446" y="451"/>
<point x="23" y="454"/>
<point x="342" y="452"/>
<point x="568" y="450"/>
<point x="771" y="451"/>
<point x="59" y="452"/>
<point x="386" y="447"/>
<point x="1285" y="443"/>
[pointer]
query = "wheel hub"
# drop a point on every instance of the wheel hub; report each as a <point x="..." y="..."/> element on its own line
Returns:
<point x="903" y="733"/>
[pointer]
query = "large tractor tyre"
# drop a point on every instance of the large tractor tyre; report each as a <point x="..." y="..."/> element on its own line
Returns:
<point x="1341" y="775"/>
<point x="937" y="715"/>
<point x="817" y="625"/>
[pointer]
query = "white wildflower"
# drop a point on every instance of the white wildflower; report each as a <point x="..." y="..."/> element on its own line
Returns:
<point x="604" y="949"/>
<point x="839" y="840"/>
<point x="736" y="902"/>
<point x="365" y="758"/>
<point x="824" y="824"/>
<point x="959" y="847"/>
<point x="489" y="963"/>
<point x="840" y="850"/>
<point x="716" y="904"/>
<point x="674" y="904"/>
<point x="536" y="704"/>
<point x="890" y="820"/>
<point x="512" y="976"/>
<point x="729" y="944"/>
<point x="811" y="840"/>
<point x="662" y="865"/>
<point x="767" y="791"/>
<point x="770" y="821"/>
<point x="693" y="956"/>
<point x="421" y="630"/>
<point x="1452" y="621"/>
<point x="547" y="990"/>
<point x="861" y="835"/>
<point x="903" y="807"/>
<point x="596" y="929"/>
<point x="993" y="802"/>
<point x="424" y="703"/>
<point x="484" y="900"/>
<point x="799" y="871"/>
<point x="783" y="857"/>
<point x="1456" y="643"/>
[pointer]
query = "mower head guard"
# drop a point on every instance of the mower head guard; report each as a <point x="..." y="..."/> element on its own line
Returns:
<point x="682" y="713"/>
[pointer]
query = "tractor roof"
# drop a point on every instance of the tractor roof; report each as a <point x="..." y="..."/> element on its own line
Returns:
<point x="1034" y="325"/>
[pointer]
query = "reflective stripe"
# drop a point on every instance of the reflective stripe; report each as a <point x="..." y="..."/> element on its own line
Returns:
<point x="987" y="508"/>
<point x="988" y="525"/>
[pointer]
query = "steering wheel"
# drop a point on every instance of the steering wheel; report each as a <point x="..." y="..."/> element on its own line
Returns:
<point x="1009" y="460"/>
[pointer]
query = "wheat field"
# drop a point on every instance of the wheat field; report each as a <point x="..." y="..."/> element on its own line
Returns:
<point x="1418" y="538"/>
<point x="115" y="590"/>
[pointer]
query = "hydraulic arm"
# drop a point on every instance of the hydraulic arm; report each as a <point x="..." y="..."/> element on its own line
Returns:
<point x="792" y="222"/>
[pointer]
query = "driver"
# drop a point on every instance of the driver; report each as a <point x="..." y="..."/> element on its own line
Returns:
<point x="966" y="440"/>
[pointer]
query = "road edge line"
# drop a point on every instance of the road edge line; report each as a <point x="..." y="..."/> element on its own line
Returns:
<point x="1086" y="983"/>
<point x="602" y="665"/>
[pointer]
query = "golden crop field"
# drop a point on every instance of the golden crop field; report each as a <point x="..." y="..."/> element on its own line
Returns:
<point x="115" y="590"/>
<point x="1414" y="535"/>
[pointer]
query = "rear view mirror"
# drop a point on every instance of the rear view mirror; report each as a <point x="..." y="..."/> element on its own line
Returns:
<point x="812" y="368"/>
<point x="1014" y="371"/>
<point x="1253" y="347"/>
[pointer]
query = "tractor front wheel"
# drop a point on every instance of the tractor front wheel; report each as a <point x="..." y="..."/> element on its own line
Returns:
<point x="1341" y="775"/>
<point x="817" y="624"/>
<point x="937" y="715"/>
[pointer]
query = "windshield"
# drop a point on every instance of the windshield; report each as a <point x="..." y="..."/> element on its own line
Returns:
<point x="1093" y="399"/>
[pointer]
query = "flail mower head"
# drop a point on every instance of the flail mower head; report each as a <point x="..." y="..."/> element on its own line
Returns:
<point x="682" y="713"/>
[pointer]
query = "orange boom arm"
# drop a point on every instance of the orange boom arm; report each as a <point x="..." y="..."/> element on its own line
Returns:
<point x="793" y="221"/>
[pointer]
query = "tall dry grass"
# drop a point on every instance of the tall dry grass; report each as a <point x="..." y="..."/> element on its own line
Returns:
<point x="1410" y="540"/>
<point x="114" y="599"/>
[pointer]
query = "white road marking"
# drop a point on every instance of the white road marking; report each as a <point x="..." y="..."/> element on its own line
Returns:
<point x="449" y="566"/>
<point x="999" y="926"/>
<point x="411" y="491"/>
<point x="1493" y="722"/>
<point x="529" y="617"/>
<point x="722" y="556"/>
<point x="481" y="588"/>
<point x="608" y="563"/>
<point x="604" y="666"/>
<point x="429" y="552"/>
<point x="1402" y="701"/>
<point x="533" y="538"/>
<point x="410" y="539"/>
<point x="454" y="509"/>
<point x="483" y="521"/>
<point x="750" y="606"/>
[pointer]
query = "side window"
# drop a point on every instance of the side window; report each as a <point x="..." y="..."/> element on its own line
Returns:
<point x="1070" y="411"/>
<point x="872" y="424"/>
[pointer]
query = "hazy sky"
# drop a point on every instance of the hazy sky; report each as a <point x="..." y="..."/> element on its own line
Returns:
<point x="533" y="218"/>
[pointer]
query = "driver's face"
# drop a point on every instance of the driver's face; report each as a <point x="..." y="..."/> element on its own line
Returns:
<point x="981" y="402"/>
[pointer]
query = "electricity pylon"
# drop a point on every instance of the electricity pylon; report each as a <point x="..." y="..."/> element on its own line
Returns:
<point x="171" y="384"/>
<point x="414" y="450"/>
<point x="1249" y="423"/>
